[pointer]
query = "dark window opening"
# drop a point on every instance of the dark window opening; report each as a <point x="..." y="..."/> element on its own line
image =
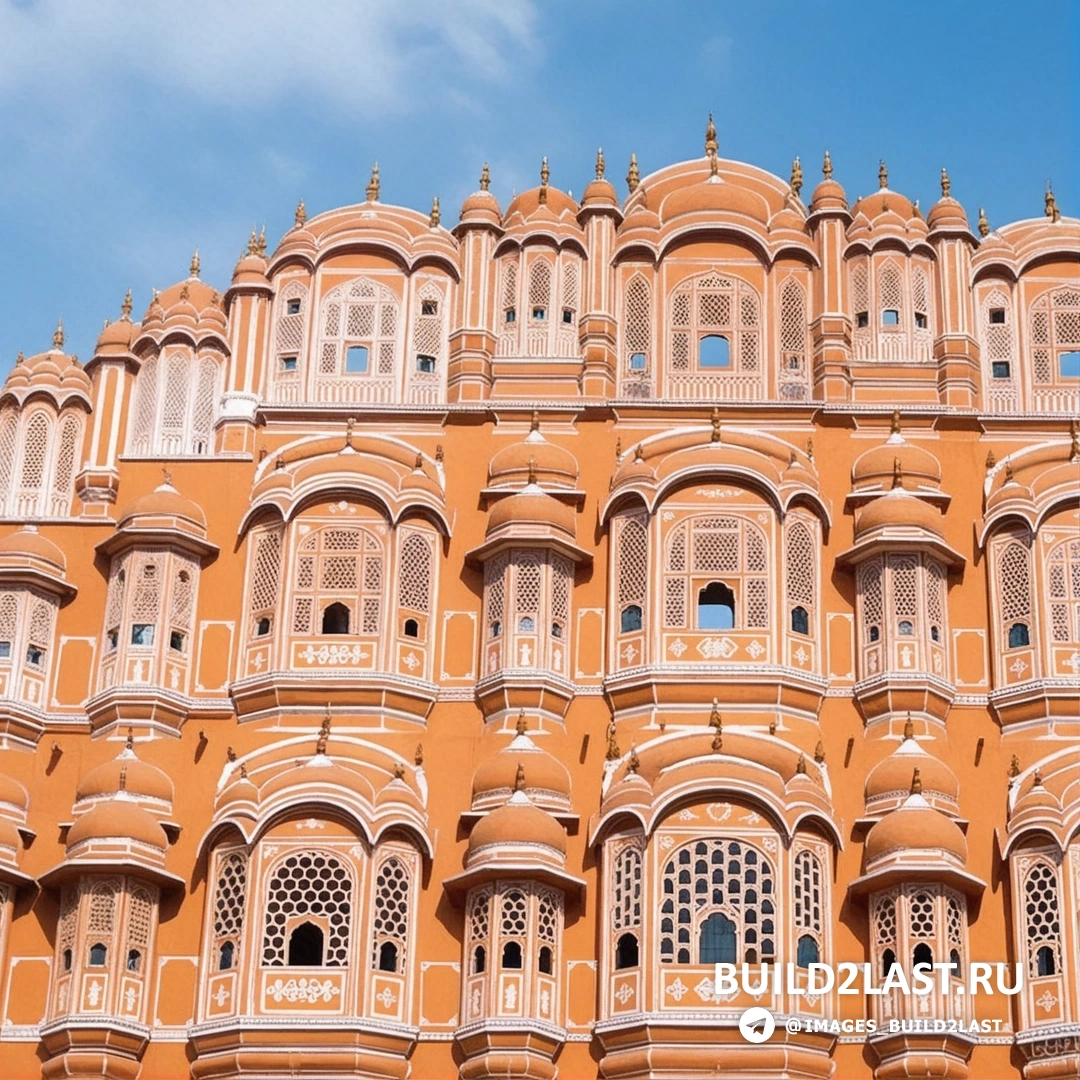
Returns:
<point x="1045" y="964"/>
<point x="67" y="959"/>
<point x="292" y="307"/>
<point x="5" y="650"/>
<point x="1019" y="635"/>
<point x="356" y="359"/>
<point x="922" y="954"/>
<point x="921" y="320"/>
<point x="262" y="627"/>
<point x="714" y="351"/>
<point x="567" y="315"/>
<point x="411" y="628"/>
<point x="335" y="619"/>
<point x="637" y="361"/>
<point x="544" y="961"/>
<point x="425" y="364"/>
<point x="716" y="942"/>
<point x="496" y="629"/>
<point x="954" y="963"/>
<point x="1000" y="369"/>
<point x="98" y="955"/>
<point x="225" y="956"/>
<point x="716" y="607"/>
<point x="142" y="634"/>
<point x="935" y="634"/>
<point x="306" y="946"/>
<point x="630" y="619"/>
<point x="905" y="628"/>
<point x="388" y="956"/>
<point x="556" y="630"/>
<point x="888" y="962"/>
<point x="539" y="314"/>
<point x="527" y="624"/>
<point x="807" y="952"/>
<point x="890" y="317"/>
<point x="35" y="656"/>
<point x="874" y="634"/>
<point x="511" y="956"/>
<point x="479" y="960"/>
<point x="113" y="639"/>
<point x="177" y="641"/>
<point x="134" y="960"/>
<point x="429" y="307"/>
<point x="288" y="363"/>
<point x="862" y="318"/>
<point x="997" y="316"/>
<point x="626" y="952"/>
<point x="800" y="620"/>
<point x="511" y="315"/>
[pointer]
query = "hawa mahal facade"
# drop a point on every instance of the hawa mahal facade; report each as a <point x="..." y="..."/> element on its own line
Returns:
<point x="535" y="612"/>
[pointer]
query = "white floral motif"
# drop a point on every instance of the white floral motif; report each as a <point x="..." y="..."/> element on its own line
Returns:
<point x="174" y="677"/>
<point x="386" y="997"/>
<point x="906" y="654"/>
<point x="677" y="647"/>
<point x="624" y="993"/>
<point x="221" y="995"/>
<point x="628" y="653"/>
<point x="330" y="655"/>
<point x="801" y="655"/>
<point x="129" y="999"/>
<point x="474" y="1002"/>
<point x="64" y="996"/>
<point x="678" y="989"/>
<point x="1073" y="662"/>
<point x="545" y="1002"/>
<point x="1047" y="1001"/>
<point x="755" y="648"/>
<point x="718" y="811"/>
<point x="666" y="842"/>
<point x="410" y="661"/>
<point x="309" y="990"/>
<point x="712" y="647"/>
<point x="526" y="654"/>
<point x="752" y="818"/>
<point x="1018" y="666"/>
<point x="311" y="823"/>
<point x="510" y="996"/>
<point x="258" y="663"/>
<point x="93" y="993"/>
<point x="705" y="989"/>
<point x="812" y="999"/>
<point x="687" y="814"/>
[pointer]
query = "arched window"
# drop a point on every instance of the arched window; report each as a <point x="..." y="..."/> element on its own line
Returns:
<point x="67" y="959"/>
<point x="411" y="628"/>
<point x="391" y="913"/>
<point x="9" y="433"/>
<point x="1042" y="919"/>
<point x="792" y="377"/>
<point x="225" y="956"/>
<point x="175" y="404"/>
<point x="626" y="951"/>
<point x="1014" y="592"/>
<point x="807" y="951"/>
<point x="308" y="882"/>
<point x="631" y="572"/>
<point x="543" y="962"/>
<point x="800" y="620"/>
<point x="1054" y="330"/>
<point x="513" y="927"/>
<point x="1019" y="635"/>
<point x="358" y="343"/>
<point x="809" y="912"/>
<point x="1045" y="963"/>
<point x="265" y="577"/>
<point x="888" y="962"/>
<point x="637" y="327"/>
<point x="479" y="962"/>
<point x="428" y="339"/>
<point x="338" y="568"/>
<point x="335" y="619"/>
<point x="922" y="954"/>
<point x="800" y="567"/>
<point x="716" y="607"/>
<point x="306" y="945"/>
<point x="291" y="314"/>
<point x="1063" y="589"/>
<point x="134" y="960"/>
<point x="717" y="940"/>
<point x="230" y="894"/>
<point x="630" y="619"/>
<point x="98" y="954"/>
<point x="714" y="351"/>
<point x="511" y="955"/>
<point x="388" y="956"/>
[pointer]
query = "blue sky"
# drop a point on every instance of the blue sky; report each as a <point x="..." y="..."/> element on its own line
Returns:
<point x="135" y="130"/>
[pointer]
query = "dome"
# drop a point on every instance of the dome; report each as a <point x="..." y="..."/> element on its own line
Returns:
<point x="239" y="789"/>
<point x="163" y="502"/>
<point x="250" y="270"/>
<point x="532" y="506"/>
<point x="117" y="337"/>
<point x="545" y="775"/>
<point x="118" y="819"/>
<point x="548" y="464"/>
<point x="715" y="196"/>
<point x="13" y="793"/>
<point x="138" y="778"/>
<point x="828" y="195"/>
<point x="191" y="304"/>
<point x="916" y="826"/>
<point x="877" y="467"/>
<point x="28" y="543"/>
<point x="481" y="207"/>
<point x="882" y="202"/>
<point x="898" y="509"/>
<point x="947" y="213"/>
<point x="599" y="193"/>
<point x="517" y="822"/>
<point x="889" y="781"/>
<point x="55" y="372"/>
<point x="528" y="204"/>
<point x="319" y="770"/>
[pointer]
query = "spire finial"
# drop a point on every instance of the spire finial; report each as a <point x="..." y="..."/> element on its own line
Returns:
<point x="261" y="248"/>
<point x="436" y="214"/>
<point x="826" y="166"/>
<point x="711" y="143"/>
<point x="716" y="722"/>
<point x="418" y="464"/>
<point x="372" y="190"/>
<point x="916" y="781"/>
<point x="1014" y="767"/>
<point x="519" y="778"/>
<point x="418" y="756"/>
<point x="166" y="477"/>
<point x="909" y="728"/>
<point x="545" y="173"/>
<point x="796" y="177"/>
<point x="633" y="177"/>
<point x="195" y="264"/>
<point x="882" y="174"/>
<point x="301" y="214"/>
<point x="230" y="754"/>
<point x="897" y="474"/>
<point x="123" y="779"/>
<point x="324" y="732"/>
<point x="810" y="447"/>
<point x="800" y="765"/>
<point x="243" y="771"/>
<point x="1009" y="478"/>
<point x="991" y="460"/>
<point x="715" y="420"/>
<point x="129" y="742"/>
<point x="58" y="335"/>
<point x="613" y="753"/>
<point x="819" y="752"/>
<point x="633" y="763"/>
<point x="639" y="453"/>
<point x="532" y="469"/>
<point x="485" y="177"/>
<point x="534" y="424"/>
<point x="522" y="727"/>
<point x="894" y="424"/>
<point x="1036" y="780"/>
<point x="984" y="225"/>
<point x="125" y="307"/>
<point x="600" y="163"/>
<point x="253" y="241"/>
<point x="1050" y="204"/>
<point x="946" y="183"/>
<point x="1074" y="444"/>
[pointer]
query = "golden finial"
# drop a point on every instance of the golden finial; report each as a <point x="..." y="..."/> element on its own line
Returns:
<point x="991" y="460"/>
<point x="243" y="771"/>
<point x="532" y="470"/>
<point x="439" y="453"/>
<point x="1014" y="766"/>
<point x="436" y="214"/>
<point x="399" y="771"/>
<point x="800" y="765"/>
<point x="916" y="781"/>
<point x="882" y="174"/>
<point x="633" y="177"/>
<point x="372" y="189"/>
<point x="1050" y="204"/>
<point x="545" y="173"/>
<point x="639" y="454"/>
<point x="1009" y="478"/>
<point x="301" y="214"/>
<point x="230" y="753"/>
<point x="261" y="248"/>
<point x="418" y="464"/>
<point x="349" y="425"/>
<point x="826" y="166"/>
<point x="618" y="447"/>
<point x="195" y="264"/>
<point x="633" y="763"/>
<point x="58" y="335"/>
<point x="796" y="177"/>
<point x="600" y="163"/>
<point x="166" y="477"/>
<point x="714" y="165"/>
<point x="125" y="307"/>
<point x="522" y="727"/>
<point x="819" y="752"/>
<point x="129" y="742"/>
<point x="324" y="732"/>
<point x="897" y="474"/>
<point x="715" y="719"/>
<point x="810" y="447"/>
<point x="534" y="423"/>
<point x="418" y="757"/>
<point x="1036" y="780"/>
<point x="123" y="779"/>
<point x="20" y="358"/>
<point x="1074" y="447"/>
<point x="894" y="424"/>
<point x="613" y="752"/>
<point x="715" y="420"/>
<point x="984" y="225"/>
<point x="946" y="184"/>
<point x="711" y="143"/>
<point x="253" y="241"/>
<point x="519" y="778"/>
<point x="909" y="728"/>
<point x="485" y="177"/>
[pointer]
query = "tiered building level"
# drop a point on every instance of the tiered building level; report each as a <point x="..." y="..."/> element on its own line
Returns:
<point x="535" y="612"/>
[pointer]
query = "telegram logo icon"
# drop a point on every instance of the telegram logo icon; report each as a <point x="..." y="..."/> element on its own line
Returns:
<point x="757" y="1025"/>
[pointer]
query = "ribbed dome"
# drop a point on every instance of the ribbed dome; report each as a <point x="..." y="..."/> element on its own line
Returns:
<point x="322" y="771"/>
<point x="528" y="204"/>
<point x="947" y="214"/>
<point x="164" y="502"/>
<point x="889" y="781"/>
<point x="517" y="822"/>
<point x="897" y="508"/>
<point x="140" y="778"/>
<point x="721" y="197"/>
<point x="481" y="207"/>
<point x="916" y="826"/>
<point x="13" y="793"/>
<point x="828" y="195"/>
<point x="532" y="506"/>
<point x="600" y="192"/>
<point x="545" y="775"/>
<point x="883" y="201"/>
<point x="250" y="270"/>
<point x="54" y="370"/>
<point x="191" y="299"/>
<point x="119" y="819"/>
<point x="550" y="465"/>
<point x="877" y="467"/>
<point x="116" y="337"/>
<point x="28" y="542"/>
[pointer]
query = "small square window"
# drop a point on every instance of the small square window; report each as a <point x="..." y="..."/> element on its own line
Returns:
<point x="1069" y="365"/>
<point x="862" y="318"/>
<point x="356" y="360"/>
<point x="425" y="364"/>
<point x="511" y="315"/>
<point x="637" y="361"/>
<point x="142" y="633"/>
<point x="429" y="307"/>
<point x="567" y="316"/>
<point x="921" y="320"/>
<point x="35" y="657"/>
<point x="890" y="317"/>
<point x="262" y="626"/>
<point x="997" y="316"/>
<point x="292" y="307"/>
<point x="539" y="314"/>
<point x="1001" y="369"/>
<point x="288" y="363"/>
<point x="177" y="641"/>
<point x="5" y="650"/>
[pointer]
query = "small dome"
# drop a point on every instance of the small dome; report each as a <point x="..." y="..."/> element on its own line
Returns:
<point x="239" y="789"/>
<point x="550" y="465"/>
<point x="320" y="770"/>
<point x="715" y="198"/>
<point x="1036" y="798"/>
<point x="888" y="783"/>
<point x="517" y="822"/>
<point x="481" y="208"/>
<point x="528" y="204"/>
<point x="9" y="839"/>
<point x="250" y="270"/>
<point x="164" y="502"/>
<point x="545" y="775"/>
<point x="877" y="467"/>
<point x="28" y="543"/>
<point x="898" y="509"/>
<point x="140" y="780"/>
<point x="55" y="372"/>
<point x="600" y="192"/>
<point x="13" y="793"/>
<point x="828" y="195"/>
<point x="947" y="213"/>
<point x="916" y="826"/>
<point x="532" y="506"/>
<point x="117" y="337"/>
<point x="882" y="202"/>
<point x="118" y="819"/>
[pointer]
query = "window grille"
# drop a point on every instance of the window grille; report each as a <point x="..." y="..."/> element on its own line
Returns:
<point x="1042" y="920"/>
<point x="793" y="381"/>
<point x="801" y="565"/>
<point x="343" y="565"/>
<point x="414" y="578"/>
<point x="310" y="884"/>
<point x="391" y="912"/>
<point x="266" y="570"/>
<point x="809" y="894"/>
<point x="626" y="889"/>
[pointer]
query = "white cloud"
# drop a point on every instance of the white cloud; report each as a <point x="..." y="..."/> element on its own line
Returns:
<point x="360" y="58"/>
